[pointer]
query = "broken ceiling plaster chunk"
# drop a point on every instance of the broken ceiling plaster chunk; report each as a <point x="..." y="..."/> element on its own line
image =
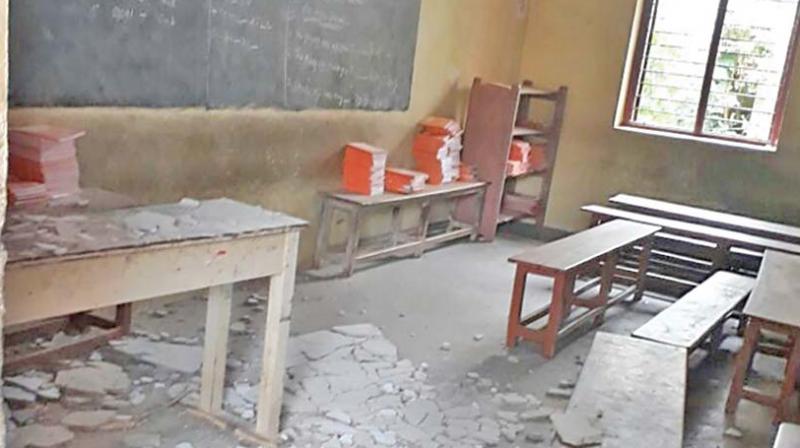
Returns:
<point x="18" y="395"/>
<point x="559" y="393"/>
<point x="97" y="378"/>
<point x="41" y="436"/>
<point x="733" y="432"/>
<point x="177" y="357"/>
<point x="87" y="420"/>
<point x="142" y="440"/>
<point x="577" y="429"/>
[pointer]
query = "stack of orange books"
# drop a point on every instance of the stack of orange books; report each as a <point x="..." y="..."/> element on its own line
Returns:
<point x="518" y="158"/>
<point x="364" y="169"/>
<point x="525" y="158"/>
<point x="440" y="126"/>
<point x="25" y="193"/>
<point x="437" y="150"/>
<point x="45" y="154"/>
<point x="403" y="181"/>
<point x="467" y="173"/>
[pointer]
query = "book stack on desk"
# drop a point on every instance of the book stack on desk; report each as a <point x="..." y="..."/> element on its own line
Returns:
<point x="403" y="181"/>
<point x="45" y="154"/>
<point x="437" y="150"/>
<point x="364" y="169"/>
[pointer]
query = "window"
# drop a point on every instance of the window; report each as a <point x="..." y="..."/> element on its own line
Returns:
<point x="714" y="69"/>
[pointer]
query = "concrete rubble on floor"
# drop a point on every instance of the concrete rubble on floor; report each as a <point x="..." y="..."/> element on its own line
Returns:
<point x="347" y="386"/>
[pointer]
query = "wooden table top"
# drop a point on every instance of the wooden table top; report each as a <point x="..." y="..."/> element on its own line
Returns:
<point x="575" y="250"/>
<point x="392" y="198"/>
<point x="776" y="296"/>
<point x="54" y="234"/>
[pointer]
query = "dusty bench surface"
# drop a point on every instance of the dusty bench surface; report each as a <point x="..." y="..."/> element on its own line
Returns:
<point x="573" y="251"/>
<point x="394" y="198"/>
<point x="788" y="436"/>
<point x="700" y="215"/>
<point x="640" y="388"/>
<point x="737" y="239"/>
<point x="686" y="323"/>
<point x="35" y="236"/>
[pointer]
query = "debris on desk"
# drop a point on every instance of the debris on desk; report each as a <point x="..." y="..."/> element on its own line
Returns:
<point x="577" y="429"/>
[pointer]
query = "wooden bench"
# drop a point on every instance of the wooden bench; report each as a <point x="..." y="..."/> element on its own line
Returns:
<point x="640" y="389"/>
<point x="698" y="314"/>
<point x="564" y="260"/>
<point x="358" y="206"/>
<point x="709" y="248"/>
<point x="744" y="224"/>
<point x="788" y="436"/>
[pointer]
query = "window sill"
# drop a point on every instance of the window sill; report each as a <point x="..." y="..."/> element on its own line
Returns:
<point x="717" y="142"/>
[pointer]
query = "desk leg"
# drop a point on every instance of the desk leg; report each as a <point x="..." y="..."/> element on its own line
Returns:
<point x="215" y="350"/>
<point x="743" y="358"/>
<point x="353" y="235"/>
<point x="785" y="412"/>
<point x="323" y="234"/>
<point x="644" y="265"/>
<point x="276" y="336"/>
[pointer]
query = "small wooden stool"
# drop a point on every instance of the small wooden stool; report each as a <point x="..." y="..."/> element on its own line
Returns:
<point x="738" y="390"/>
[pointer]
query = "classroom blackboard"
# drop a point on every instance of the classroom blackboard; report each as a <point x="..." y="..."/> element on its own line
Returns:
<point x="292" y="54"/>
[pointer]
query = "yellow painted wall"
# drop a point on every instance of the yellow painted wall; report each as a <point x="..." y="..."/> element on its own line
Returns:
<point x="583" y="44"/>
<point x="281" y="159"/>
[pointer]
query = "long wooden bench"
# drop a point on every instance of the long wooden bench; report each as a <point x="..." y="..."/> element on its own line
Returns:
<point x="709" y="249"/>
<point x="700" y="313"/>
<point x="714" y="218"/>
<point x="564" y="260"/>
<point x="638" y="386"/>
<point x="788" y="436"/>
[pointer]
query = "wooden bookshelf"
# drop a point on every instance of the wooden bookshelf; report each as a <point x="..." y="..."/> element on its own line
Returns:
<point x="497" y="114"/>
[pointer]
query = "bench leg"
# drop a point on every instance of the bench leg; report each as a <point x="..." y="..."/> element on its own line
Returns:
<point x="396" y="224"/>
<point x="353" y="236"/>
<point x="555" y="315"/>
<point x="606" y="282"/>
<point x="515" y="313"/>
<point x="323" y="234"/>
<point x="479" y="198"/>
<point x="644" y="265"/>
<point x="422" y="231"/>
<point x="743" y="359"/>
<point x="715" y="339"/>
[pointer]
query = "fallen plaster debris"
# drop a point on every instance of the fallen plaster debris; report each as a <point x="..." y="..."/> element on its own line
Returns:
<point x="733" y="432"/>
<point x="41" y="436"/>
<point x="560" y="393"/>
<point x="142" y="440"/>
<point x="577" y="429"/>
<point x="96" y="378"/>
<point x="87" y="420"/>
<point x="178" y="357"/>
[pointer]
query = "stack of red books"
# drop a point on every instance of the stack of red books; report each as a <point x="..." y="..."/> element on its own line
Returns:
<point x="437" y="150"/>
<point x="364" y="169"/>
<point x="45" y="154"/>
<point x="403" y="181"/>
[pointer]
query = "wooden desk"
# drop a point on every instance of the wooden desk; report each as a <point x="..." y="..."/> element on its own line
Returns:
<point x="774" y="306"/>
<point x="714" y="218"/>
<point x="81" y="261"/>
<point x="357" y="206"/>
<point x="564" y="260"/>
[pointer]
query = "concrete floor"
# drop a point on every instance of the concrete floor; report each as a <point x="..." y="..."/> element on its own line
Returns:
<point x="450" y="294"/>
<point x="455" y="292"/>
